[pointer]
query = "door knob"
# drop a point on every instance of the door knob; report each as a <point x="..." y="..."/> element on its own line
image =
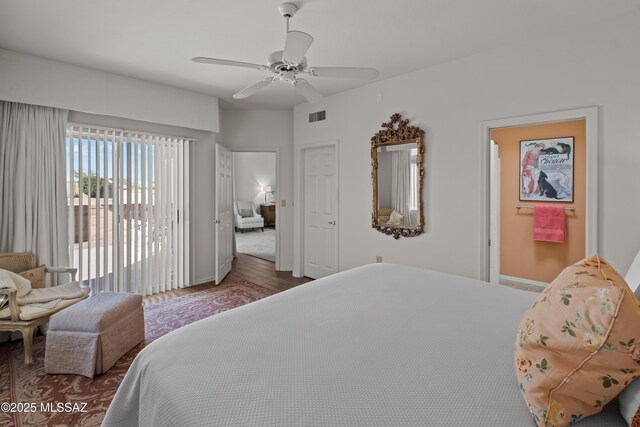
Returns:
<point x="216" y="221"/>
<point x="332" y="222"/>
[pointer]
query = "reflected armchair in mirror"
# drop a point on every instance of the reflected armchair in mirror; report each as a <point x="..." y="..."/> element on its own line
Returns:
<point x="397" y="174"/>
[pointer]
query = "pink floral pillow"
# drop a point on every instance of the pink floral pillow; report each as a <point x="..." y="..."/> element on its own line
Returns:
<point x="579" y="344"/>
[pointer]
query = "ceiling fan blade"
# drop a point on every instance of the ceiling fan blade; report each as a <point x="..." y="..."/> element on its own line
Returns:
<point x="205" y="60"/>
<point x="346" y="72"/>
<point x="296" y="46"/>
<point x="308" y="91"/>
<point x="250" y="90"/>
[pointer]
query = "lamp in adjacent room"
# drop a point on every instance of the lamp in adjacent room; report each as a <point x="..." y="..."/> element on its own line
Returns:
<point x="266" y="189"/>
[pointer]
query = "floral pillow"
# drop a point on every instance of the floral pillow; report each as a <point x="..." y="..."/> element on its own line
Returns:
<point x="578" y="345"/>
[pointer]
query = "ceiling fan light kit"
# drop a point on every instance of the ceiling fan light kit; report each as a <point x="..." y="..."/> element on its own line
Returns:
<point x="290" y="62"/>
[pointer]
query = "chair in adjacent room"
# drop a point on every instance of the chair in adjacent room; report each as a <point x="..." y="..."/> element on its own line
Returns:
<point x="246" y="216"/>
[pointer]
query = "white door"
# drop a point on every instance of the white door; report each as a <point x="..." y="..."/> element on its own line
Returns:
<point x="223" y="213"/>
<point x="494" y="225"/>
<point x="320" y="250"/>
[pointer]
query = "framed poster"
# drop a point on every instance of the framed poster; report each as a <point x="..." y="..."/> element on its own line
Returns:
<point x="546" y="170"/>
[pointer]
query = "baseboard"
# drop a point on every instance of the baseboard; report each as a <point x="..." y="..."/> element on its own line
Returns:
<point x="285" y="268"/>
<point x="521" y="281"/>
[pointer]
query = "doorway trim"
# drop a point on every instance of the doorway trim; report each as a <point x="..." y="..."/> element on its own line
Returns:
<point x="591" y="117"/>
<point x="298" y="213"/>
<point x="278" y="185"/>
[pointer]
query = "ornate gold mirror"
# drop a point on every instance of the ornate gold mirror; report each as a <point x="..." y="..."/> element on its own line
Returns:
<point x="397" y="174"/>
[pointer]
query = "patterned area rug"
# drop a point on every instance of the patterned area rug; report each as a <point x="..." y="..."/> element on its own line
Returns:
<point x="20" y="384"/>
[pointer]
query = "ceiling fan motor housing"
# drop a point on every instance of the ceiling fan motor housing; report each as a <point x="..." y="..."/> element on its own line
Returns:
<point x="277" y="65"/>
<point x="287" y="77"/>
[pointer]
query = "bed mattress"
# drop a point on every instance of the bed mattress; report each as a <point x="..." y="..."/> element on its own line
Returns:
<point x="379" y="345"/>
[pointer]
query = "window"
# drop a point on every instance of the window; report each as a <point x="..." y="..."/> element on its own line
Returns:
<point x="413" y="180"/>
<point x="128" y="197"/>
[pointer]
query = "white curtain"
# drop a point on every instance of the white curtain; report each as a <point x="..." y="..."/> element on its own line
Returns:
<point x="33" y="212"/>
<point x="401" y="183"/>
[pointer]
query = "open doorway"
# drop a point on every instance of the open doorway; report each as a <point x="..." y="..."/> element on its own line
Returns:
<point x="255" y="204"/>
<point x="540" y="161"/>
<point x="541" y="165"/>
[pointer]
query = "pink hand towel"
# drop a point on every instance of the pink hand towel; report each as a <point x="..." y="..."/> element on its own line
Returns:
<point x="549" y="223"/>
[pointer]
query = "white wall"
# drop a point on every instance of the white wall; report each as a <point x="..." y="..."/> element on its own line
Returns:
<point x="251" y="171"/>
<point x="34" y="80"/>
<point x="267" y="129"/>
<point x="202" y="195"/>
<point x="597" y="66"/>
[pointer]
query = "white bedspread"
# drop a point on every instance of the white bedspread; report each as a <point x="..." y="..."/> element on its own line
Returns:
<point x="380" y="345"/>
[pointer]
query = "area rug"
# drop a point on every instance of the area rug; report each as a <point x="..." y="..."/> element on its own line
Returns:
<point x="28" y="387"/>
<point x="257" y="243"/>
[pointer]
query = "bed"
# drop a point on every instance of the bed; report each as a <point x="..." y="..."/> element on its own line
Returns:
<point x="379" y="345"/>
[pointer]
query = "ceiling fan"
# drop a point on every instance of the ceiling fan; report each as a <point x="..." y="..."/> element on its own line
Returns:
<point x="287" y="64"/>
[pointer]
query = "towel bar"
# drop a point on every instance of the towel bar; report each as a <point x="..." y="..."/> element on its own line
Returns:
<point x="572" y="209"/>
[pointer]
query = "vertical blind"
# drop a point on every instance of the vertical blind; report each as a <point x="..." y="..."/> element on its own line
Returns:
<point x="129" y="209"/>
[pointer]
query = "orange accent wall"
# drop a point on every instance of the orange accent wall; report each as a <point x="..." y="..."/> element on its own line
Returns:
<point x="520" y="255"/>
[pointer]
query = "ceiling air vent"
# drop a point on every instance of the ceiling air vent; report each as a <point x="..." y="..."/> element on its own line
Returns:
<point x="318" y="116"/>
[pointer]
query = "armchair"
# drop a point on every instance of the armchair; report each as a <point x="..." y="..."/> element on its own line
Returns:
<point x="246" y="216"/>
<point x="14" y="317"/>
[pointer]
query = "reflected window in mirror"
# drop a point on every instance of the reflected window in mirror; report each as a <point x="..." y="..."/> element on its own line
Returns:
<point x="398" y="184"/>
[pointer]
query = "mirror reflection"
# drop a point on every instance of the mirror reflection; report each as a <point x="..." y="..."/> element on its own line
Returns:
<point x="398" y="185"/>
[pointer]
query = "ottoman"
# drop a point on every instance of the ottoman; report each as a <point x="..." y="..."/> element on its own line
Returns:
<point x="88" y="338"/>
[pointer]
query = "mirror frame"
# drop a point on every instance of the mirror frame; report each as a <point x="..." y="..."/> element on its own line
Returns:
<point x="397" y="131"/>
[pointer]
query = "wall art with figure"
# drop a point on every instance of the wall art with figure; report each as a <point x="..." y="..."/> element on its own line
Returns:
<point x="546" y="170"/>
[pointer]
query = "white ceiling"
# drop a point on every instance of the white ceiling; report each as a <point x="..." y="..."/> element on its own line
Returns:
<point x="155" y="39"/>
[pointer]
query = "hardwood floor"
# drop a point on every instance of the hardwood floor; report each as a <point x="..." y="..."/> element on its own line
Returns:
<point x="252" y="269"/>
<point x="262" y="272"/>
